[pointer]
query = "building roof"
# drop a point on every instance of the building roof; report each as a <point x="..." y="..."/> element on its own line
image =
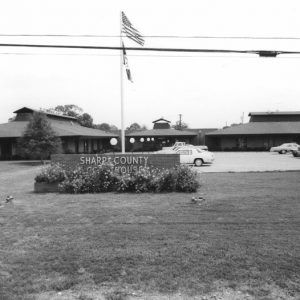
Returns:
<point x="259" y="128"/>
<point x="16" y="129"/>
<point x="161" y="132"/>
<point x="30" y="110"/>
<point x="161" y="120"/>
<point x="277" y="113"/>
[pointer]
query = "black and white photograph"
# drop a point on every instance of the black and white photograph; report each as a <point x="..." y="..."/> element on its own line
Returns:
<point x="149" y="150"/>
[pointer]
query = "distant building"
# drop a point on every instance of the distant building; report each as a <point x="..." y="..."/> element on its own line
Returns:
<point x="264" y="130"/>
<point x="75" y="138"/>
<point x="162" y="135"/>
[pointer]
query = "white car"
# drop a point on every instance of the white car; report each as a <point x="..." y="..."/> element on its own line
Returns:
<point x="284" y="148"/>
<point x="202" y="147"/>
<point x="178" y="145"/>
<point x="195" y="156"/>
<point x="175" y="146"/>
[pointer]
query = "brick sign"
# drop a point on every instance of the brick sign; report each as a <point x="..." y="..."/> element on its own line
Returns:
<point x="124" y="163"/>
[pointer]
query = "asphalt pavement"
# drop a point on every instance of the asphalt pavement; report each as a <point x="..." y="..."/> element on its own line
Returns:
<point x="251" y="162"/>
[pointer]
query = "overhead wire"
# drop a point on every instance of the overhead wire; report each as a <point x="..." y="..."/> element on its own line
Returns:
<point x="156" y="49"/>
<point x="154" y="36"/>
<point x="135" y="55"/>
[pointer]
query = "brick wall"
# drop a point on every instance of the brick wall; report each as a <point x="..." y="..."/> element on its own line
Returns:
<point x="122" y="162"/>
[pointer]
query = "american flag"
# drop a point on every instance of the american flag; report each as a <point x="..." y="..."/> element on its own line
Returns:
<point x="130" y="31"/>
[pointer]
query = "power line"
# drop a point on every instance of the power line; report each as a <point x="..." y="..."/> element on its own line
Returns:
<point x="155" y="36"/>
<point x="134" y="55"/>
<point x="264" y="53"/>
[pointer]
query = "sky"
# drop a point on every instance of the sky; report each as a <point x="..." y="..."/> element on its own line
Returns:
<point x="209" y="90"/>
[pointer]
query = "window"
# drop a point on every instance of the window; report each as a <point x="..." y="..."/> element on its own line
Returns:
<point x="185" y="152"/>
<point x="85" y="146"/>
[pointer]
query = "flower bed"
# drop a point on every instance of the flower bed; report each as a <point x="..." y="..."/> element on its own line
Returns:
<point x="104" y="178"/>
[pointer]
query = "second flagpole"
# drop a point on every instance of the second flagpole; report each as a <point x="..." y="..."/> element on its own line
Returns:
<point x="121" y="90"/>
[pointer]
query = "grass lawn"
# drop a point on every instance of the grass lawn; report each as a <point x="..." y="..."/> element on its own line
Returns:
<point x="242" y="243"/>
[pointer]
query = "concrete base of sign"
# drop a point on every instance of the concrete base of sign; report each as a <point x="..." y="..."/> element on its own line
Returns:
<point x="44" y="187"/>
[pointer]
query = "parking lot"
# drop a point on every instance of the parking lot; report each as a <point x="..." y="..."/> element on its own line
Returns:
<point x="251" y="162"/>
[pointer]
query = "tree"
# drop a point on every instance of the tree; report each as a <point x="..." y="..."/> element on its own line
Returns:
<point x="136" y="127"/>
<point x="106" y="127"/>
<point x="103" y="126"/>
<point x="85" y="120"/>
<point x="39" y="139"/>
<point x="11" y="119"/>
<point x="71" y="110"/>
<point x="75" y="111"/>
<point x="113" y="127"/>
<point x="180" y="125"/>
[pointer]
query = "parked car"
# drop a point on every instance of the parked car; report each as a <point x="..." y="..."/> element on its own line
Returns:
<point x="175" y="146"/>
<point x="202" y="147"/>
<point x="296" y="153"/>
<point x="285" y="148"/>
<point x="178" y="145"/>
<point x="195" y="156"/>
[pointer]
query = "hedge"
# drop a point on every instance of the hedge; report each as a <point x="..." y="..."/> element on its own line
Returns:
<point x="103" y="178"/>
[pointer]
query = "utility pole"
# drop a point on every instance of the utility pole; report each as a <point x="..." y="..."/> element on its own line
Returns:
<point x="180" y="124"/>
<point x="242" y="118"/>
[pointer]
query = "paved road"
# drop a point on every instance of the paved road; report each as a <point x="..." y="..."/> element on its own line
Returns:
<point x="251" y="162"/>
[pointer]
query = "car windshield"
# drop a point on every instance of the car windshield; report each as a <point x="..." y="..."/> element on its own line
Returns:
<point x="199" y="150"/>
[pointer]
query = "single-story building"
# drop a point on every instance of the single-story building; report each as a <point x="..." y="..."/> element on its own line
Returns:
<point x="75" y="138"/>
<point x="162" y="135"/>
<point x="264" y="130"/>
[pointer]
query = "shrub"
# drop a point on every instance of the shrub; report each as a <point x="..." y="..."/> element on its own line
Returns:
<point x="50" y="174"/>
<point x="186" y="179"/>
<point x="76" y="182"/>
<point x="165" y="180"/>
<point x="103" y="178"/>
<point x="98" y="179"/>
<point x="139" y="181"/>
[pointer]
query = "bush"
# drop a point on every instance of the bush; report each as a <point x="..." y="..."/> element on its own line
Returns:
<point x="104" y="178"/>
<point x="50" y="174"/>
<point x="186" y="180"/>
<point x="138" y="182"/>
<point x="165" y="180"/>
<point x="98" y="179"/>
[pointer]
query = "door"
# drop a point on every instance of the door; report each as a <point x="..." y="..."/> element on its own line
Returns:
<point x="185" y="156"/>
<point x="6" y="150"/>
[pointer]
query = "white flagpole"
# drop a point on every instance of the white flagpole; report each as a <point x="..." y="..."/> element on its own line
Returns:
<point x="121" y="88"/>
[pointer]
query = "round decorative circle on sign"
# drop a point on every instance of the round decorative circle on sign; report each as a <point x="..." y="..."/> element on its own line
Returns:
<point x="132" y="140"/>
<point x="148" y="139"/>
<point x="142" y="139"/>
<point x="152" y="139"/>
<point x="113" y="141"/>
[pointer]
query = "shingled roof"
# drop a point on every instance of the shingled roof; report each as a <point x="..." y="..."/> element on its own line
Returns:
<point x="161" y="132"/>
<point x="259" y="128"/>
<point x="62" y="129"/>
<point x="277" y="113"/>
<point x="26" y="109"/>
